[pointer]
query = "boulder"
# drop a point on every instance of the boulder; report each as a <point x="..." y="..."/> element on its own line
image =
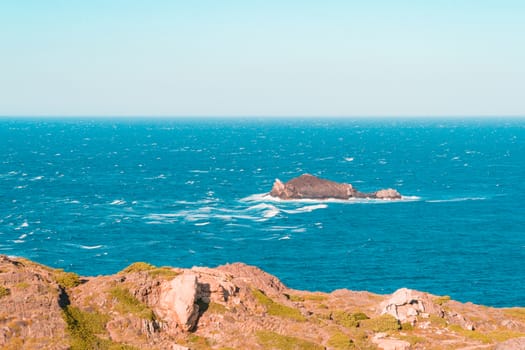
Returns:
<point x="388" y="194"/>
<point x="178" y="301"/>
<point x="308" y="186"/>
<point x="406" y="304"/>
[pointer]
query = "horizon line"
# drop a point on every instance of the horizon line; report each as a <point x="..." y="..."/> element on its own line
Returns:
<point x="256" y="116"/>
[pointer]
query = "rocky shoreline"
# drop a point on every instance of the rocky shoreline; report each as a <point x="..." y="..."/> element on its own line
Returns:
<point x="233" y="306"/>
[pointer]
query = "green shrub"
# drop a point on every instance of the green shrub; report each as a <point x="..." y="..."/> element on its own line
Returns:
<point x="115" y="346"/>
<point x="316" y="297"/>
<point x="4" y="291"/>
<point x="152" y="270"/>
<point x="138" y="267"/>
<point x="216" y="308"/>
<point x="340" y="341"/>
<point x="347" y="319"/>
<point x="437" y="321"/>
<point x="22" y="285"/>
<point x="412" y="339"/>
<point x="499" y="335"/>
<point x="166" y="272"/>
<point x="127" y="303"/>
<point x="383" y="323"/>
<point x="295" y="298"/>
<point x="441" y="300"/>
<point x="83" y="327"/>
<point x="276" y="309"/>
<point x="407" y="326"/>
<point x="197" y="342"/>
<point x="66" y="279"/>
<point x="272" y="340"/>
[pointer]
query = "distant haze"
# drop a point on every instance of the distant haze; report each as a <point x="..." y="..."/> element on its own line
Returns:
<point x="262" y="58"/>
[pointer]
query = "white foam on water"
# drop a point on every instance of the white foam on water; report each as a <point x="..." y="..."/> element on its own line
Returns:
<point x="306" y="209"/>
<point x="349" y="159"/>
<point x="283" y="228"/>
<point x="118" y="202"/>
<point x="91" y="247"/>
<point x="460" y="199"/>
<point x="285" y="238"/>
<point x="154" y="222"/>
<point x="259" y="197"/>
<point x="202" y="223"/>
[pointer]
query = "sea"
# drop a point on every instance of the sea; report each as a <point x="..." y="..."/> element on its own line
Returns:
<point x="93" y="195"/>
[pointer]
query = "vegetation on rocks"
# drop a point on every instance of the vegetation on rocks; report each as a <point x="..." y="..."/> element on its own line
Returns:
<point x="383" y="323"/>
<point x="273" y="340"/>
<point x="515" y="312"/>
<point x="441" y="299"/>
<point x="85" y="329"/>
<point x="276" y="309"/>
<point x="4" y="291"/>
<point x="347" y="319"/>
<point x="498" y="335"/>
<point x="340" y="341"/>
<point x="133" y="310"/>
<point x="152" y="270"/>
<point x="66" y="279"/>
<point x="127" y="303"/>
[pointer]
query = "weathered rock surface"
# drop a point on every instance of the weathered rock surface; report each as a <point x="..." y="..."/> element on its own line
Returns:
<point x="385" y="343"/>
<point x="178" y="301"/>
<point x="512" y="344"/>
<point x="308" y="186"/>
<point x="406" y="305"/>
<point x="234" y="306"/>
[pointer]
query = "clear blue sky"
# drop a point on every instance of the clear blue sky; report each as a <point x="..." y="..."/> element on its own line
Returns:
<point x="264" y="58"/>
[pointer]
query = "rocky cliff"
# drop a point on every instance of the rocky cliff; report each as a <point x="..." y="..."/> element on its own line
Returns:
<point x="308" y="186"/>
<point x="231" y="307"/>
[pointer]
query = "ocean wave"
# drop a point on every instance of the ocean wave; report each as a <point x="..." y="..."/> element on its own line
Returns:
<point x="118" y="202"/>
<point x="265" y="197"/>
<point x="460" y="199"/>
<point x="91" y="247"/>
<point x="306" y="209"/>
<point x="202" y="223"/>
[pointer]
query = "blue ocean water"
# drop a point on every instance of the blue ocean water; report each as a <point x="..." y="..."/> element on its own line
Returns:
<point x="92" y="196"/>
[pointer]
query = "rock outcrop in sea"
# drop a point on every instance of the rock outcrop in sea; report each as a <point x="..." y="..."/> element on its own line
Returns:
<point x="308" y="186"/>
<point x="234" y="306"/>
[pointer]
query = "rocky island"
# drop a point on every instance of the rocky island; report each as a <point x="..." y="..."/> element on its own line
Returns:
<point x="233" y="306"/>
<point x="308" y="186"/>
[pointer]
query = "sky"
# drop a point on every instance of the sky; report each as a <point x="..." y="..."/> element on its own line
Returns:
<point x="262" y="58"/>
